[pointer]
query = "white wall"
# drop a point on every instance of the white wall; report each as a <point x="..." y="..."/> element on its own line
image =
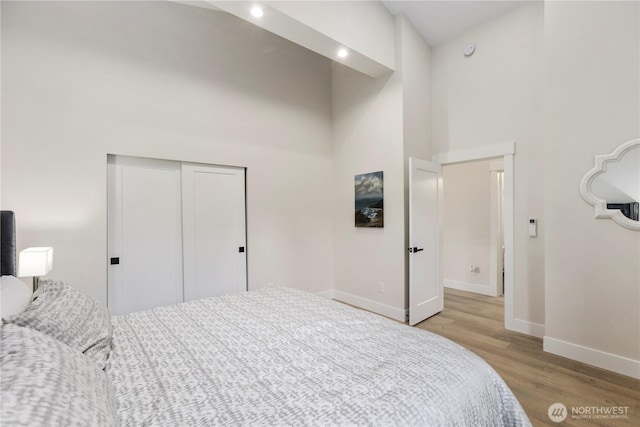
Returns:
<point x="492" y="97"/>
<point x="415" y="67"/>
<point x="367" y="133"/>
<point x="592" y="95"/>
<point x="162" y="80"/>
<point x="414" y="64"/>
<point x="377" y="125"/>
<point x="466" y="223"/>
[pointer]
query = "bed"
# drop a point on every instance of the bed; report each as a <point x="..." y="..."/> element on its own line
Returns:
<point x="273" y="356"/>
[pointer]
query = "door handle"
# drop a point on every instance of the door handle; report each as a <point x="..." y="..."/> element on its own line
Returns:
<point x="415" y="249"/>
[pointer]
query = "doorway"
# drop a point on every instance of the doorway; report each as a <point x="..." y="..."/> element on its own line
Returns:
<point x="472" y="226"/>
<point x="506" y="151"/>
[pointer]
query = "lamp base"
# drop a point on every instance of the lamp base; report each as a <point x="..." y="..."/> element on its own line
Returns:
<point x="36" y="282"/>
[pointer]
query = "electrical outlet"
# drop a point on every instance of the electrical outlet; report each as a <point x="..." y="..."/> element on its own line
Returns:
<point x="381" y="287"/>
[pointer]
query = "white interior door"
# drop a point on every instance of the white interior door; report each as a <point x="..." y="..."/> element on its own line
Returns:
<point x="213" y="207"/>
<point x="144" y="234"/>
<point x="425" y="280"/>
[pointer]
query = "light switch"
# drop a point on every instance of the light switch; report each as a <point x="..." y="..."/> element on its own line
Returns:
<point x="533" y="227"/>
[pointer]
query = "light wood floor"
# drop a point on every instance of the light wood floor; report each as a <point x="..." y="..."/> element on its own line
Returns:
<point x="538" y="379"/>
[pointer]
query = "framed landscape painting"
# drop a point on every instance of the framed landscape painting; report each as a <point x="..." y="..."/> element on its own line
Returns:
<point x="369" y="198"/>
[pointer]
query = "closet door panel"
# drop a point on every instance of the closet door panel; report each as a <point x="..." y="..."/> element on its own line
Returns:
<point x="214" y="230"/>
<point x="144" y="234"/>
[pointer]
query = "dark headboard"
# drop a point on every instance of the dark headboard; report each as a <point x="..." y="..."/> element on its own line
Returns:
<point x="8" y="243"/>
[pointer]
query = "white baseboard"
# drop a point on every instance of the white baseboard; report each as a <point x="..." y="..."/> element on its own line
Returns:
<point x="601" y="359"/>
<point x="517" y="325"/>
<point x="525" y="327"/>
<point x="376" y="307"/>
<point x="327" y="294"/>
<point x="468" y="287"/>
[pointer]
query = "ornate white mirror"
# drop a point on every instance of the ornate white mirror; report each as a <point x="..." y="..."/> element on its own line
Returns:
<point x="613" y="185"/>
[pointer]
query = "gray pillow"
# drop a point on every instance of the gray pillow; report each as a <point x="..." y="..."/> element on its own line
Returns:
<point x="47" y="383"/>
<point x="66" y="314"/>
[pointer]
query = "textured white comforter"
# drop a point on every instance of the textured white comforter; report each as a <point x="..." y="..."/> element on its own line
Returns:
<point x="280" y="356"/>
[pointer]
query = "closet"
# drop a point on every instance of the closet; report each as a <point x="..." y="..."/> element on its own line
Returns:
<point x="176" y="232"/>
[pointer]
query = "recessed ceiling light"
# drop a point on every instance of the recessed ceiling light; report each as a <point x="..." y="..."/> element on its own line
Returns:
<point x="256" y="11"/>
<point x="342" y="53"/>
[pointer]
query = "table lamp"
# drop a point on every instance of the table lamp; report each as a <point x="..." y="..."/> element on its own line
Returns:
<point x="35" y="262"/>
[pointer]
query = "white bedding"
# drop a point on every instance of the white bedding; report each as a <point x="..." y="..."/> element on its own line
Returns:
<point x="280" y="356"/>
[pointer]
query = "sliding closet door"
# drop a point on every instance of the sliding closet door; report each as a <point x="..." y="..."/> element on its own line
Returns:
<point x="144" y="234"/>
<point x="213" y="208"/>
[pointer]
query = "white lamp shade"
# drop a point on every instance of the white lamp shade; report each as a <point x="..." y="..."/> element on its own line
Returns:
<point x="35" y="262"/>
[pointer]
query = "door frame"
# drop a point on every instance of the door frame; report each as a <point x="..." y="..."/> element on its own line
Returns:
<point x="506" y="151"/>
<point x="496" y="232"/>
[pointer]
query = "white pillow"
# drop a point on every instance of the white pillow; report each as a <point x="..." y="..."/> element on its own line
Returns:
<point x="15" y="296"/>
